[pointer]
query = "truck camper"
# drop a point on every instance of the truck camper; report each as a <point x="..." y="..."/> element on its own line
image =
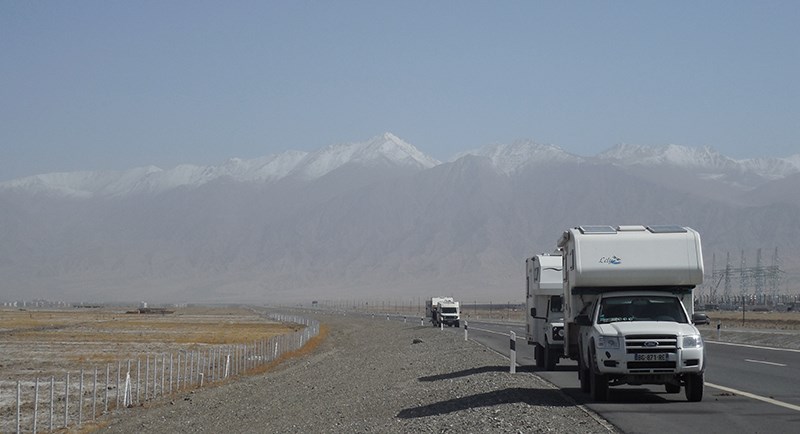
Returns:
<point x="628" y="305"/>
<point x="544" y="308"/>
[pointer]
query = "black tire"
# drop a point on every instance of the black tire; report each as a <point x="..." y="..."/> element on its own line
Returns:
<point x="538" y="355"/>
<point x="550" y="358"/>
<point x="598" y="383"/>
<point x="672" y="388"/>
<point x="694" y="387"/>
<point x="583" y="375"/>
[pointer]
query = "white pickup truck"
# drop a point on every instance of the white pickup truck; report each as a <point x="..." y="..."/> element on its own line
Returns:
<point x="628" y="305"/>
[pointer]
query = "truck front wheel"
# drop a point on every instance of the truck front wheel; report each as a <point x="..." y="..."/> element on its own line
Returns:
<point x="583" y="375"/>
<point x="694" y="387"/>
<point x="598" y="383"/>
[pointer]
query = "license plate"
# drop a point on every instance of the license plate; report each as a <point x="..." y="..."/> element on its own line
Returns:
<point x="650" y="357"/>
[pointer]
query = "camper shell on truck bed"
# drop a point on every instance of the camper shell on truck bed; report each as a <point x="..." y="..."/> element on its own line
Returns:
<point x="544" y="312"/>
<point x="612" y="276"/>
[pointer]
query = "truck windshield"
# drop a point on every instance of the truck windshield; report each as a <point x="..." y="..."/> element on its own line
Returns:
<point x="640" y="308"/>
<point x="449" y="310"/>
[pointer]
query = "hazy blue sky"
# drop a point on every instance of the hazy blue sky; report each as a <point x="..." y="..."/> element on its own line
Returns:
<point x="89" y="85"/>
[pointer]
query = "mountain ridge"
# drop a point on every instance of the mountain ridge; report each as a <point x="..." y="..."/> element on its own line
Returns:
<point x="388" y="150"/>
<point x="373" y="228"/>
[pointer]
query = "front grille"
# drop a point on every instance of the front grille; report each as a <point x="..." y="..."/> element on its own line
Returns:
<point x="651" y="344"/>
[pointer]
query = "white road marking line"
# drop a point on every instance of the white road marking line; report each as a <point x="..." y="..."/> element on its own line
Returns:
<point x="757" y="397"/>
<point x="764" y="362"/>
<point x="519" y="338"/>
<point x="752" y="346"/>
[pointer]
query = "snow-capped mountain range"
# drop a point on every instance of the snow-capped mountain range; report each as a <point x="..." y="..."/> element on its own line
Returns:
<point x="389" y="150"/>
<point x="374" y="219"/>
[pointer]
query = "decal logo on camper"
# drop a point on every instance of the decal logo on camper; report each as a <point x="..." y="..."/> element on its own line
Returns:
<point x="613" y="260"/>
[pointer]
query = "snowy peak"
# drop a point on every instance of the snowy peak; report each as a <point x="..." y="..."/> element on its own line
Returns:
<point x="386" y="149"/>
<point x="706" y="159"/>
<point x="670" y="155"/>
<point x="522" y="153"/>
<point x="381" y="151"/>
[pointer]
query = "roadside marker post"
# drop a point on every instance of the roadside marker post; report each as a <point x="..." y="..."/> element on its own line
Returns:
<point x="513" y="345"/>
<point x="719" y="332"/>
<point x="441" y="326"/>
<point x="421" y="321"/>
<point x="465" y="331"/>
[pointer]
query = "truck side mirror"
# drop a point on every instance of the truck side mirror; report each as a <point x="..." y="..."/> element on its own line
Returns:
<point x="699" y="318"/>
<point x="583" y="320"/>
<point x="533" y="311"/>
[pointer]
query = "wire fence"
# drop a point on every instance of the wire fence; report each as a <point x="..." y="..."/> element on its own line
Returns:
<point x="81" y="396"/>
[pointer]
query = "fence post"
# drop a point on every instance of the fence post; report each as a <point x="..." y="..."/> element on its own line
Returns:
<point x="35" y="404"/>
<point x="94" y="395"/>
<point x="155" y="376"/>
<point x="19" y="406"/>
<point x="66" y="400"/>
<point x="52" y="401"/>
<point x="138" y="376"/>
<point x="80" y="401"/>
<point x="146" y="376"/>
<point x="513" y="345"/>
<point x="119" y="369"/>
<point x="108" y="373"/>
<point x="127" y="399"/>
<point x="163" y="371"/>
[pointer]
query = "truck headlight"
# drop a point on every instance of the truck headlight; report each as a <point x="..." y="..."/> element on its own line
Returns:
<point x="692" y="341"/>
<point x="610" y="342"/>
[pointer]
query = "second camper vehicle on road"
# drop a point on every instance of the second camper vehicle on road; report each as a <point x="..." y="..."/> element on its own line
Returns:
<point x="443" y="311"/>
<point x="544" y="308"/>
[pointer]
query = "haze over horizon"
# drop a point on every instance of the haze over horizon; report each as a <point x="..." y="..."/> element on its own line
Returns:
<point x="110" y="86"/>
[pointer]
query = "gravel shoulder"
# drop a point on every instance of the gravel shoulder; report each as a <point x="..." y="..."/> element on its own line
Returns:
<point x="374" y="376"/>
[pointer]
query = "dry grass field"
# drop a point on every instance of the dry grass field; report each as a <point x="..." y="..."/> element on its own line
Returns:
<point x="48" y="342"/>
<point x="756" y="320"/>
<point x="96" y="345"/>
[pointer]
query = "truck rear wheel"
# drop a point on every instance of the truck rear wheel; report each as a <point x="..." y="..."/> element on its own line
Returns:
<point x="550" y="358"/>
<point x="538" y="355"/>
<point x="694" y="387"/>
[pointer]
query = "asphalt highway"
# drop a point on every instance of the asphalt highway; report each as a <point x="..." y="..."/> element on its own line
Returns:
<point x="749" y="389"/>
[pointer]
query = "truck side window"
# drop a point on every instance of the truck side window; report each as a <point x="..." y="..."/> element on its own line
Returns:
<point x="556" y="304"/>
